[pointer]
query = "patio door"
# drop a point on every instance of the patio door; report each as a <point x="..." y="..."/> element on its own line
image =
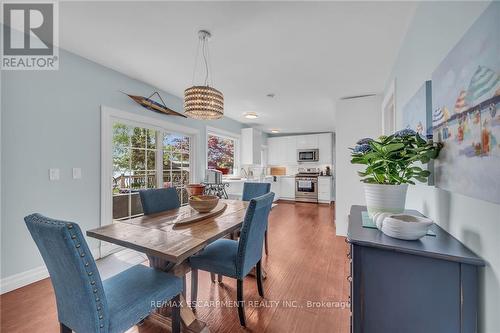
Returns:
<point x="141" y="157"/>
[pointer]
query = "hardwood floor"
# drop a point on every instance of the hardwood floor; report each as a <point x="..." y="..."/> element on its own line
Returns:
<point x="307" y="263"/>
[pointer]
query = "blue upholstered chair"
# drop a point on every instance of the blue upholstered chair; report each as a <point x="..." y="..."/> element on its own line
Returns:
<point x="254" y="190"/>
<point x="159" y="199"/>
<point x="85" y="304"/>
<point x="236" y="259"/>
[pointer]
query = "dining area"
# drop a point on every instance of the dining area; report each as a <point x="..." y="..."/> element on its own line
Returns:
<point x="179" y="241"/>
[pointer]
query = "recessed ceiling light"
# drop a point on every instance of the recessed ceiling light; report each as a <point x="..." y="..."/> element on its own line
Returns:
<point x="251" y="115"/>
<point x="275" y="131"/>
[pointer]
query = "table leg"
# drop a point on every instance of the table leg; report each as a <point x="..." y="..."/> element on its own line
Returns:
<point x="189" y="321"/>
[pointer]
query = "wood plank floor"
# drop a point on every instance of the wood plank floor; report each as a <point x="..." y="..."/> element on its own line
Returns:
<point x="307" y="263"/>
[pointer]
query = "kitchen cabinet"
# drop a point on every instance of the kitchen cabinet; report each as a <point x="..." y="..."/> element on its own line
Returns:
<point x="325" y="146"/>
<point x="251" y="146"/>
<point x="287" y="188"/>
<point x="307" y="141"/>
<point x="325" y="189"/>
<point x="282" y="150"/>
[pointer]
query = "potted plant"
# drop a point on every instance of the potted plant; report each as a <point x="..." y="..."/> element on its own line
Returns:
<point x="391" y="164"/>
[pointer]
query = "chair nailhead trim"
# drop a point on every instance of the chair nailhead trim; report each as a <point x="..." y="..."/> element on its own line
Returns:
<point x="86" y="263"/>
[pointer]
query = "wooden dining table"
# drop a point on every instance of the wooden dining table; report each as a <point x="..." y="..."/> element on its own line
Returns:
<point x="168" y="245"/>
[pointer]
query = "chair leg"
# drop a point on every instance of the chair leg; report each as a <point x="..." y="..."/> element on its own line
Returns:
<point x="212" y="277"/>
<point x="194" y="287"/>
<point x="64" y="329"/>
<point x="184" y="286"/>
<point x="258" y="272"/>
<point x="219" y="278"/>
<point x="239" y="297"/>
<point x="266" y="247"/>
<point x="176" y="315"/>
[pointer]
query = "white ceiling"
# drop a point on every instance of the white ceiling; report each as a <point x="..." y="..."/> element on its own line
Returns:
<point x="308" y="53"/>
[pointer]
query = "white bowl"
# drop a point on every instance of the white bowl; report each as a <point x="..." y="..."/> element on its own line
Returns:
<point x="407" y="227"/>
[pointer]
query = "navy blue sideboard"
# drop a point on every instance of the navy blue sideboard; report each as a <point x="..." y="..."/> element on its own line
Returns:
<point x="424" y="286"/>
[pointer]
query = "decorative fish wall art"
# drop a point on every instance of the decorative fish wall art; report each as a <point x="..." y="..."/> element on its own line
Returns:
<point x="148" y="103"/>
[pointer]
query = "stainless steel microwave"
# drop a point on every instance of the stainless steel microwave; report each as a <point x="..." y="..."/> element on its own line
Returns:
<point x="307" y="155"/>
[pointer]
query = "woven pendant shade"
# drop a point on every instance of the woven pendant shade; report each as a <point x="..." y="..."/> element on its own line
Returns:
<point x="203" y="102"/>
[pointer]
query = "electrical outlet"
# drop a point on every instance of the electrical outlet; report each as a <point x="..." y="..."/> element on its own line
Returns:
<point x="77" y="173"/>
<point x="54" y="174"/>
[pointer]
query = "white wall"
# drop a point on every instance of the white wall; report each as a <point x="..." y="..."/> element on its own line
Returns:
<point x="436" y="28"/>
<point x="355" y="119"/>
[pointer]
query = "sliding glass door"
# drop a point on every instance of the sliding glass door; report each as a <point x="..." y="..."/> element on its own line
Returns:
<point x="145" y="158"/>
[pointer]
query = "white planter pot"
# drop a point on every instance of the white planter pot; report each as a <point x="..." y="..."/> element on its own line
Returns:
<point x="385" y="198"/>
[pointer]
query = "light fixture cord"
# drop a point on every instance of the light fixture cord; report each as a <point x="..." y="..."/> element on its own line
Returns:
<point x="196" y="61"/>
<point x="205" y="59"/>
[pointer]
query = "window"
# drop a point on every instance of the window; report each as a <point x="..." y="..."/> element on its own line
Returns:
<point x="138" y="153"/>
<point x="222" y="153"/>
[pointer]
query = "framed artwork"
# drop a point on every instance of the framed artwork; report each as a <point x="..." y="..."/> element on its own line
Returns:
<point x="417" y="115"/>
<point x="466" y="115"/>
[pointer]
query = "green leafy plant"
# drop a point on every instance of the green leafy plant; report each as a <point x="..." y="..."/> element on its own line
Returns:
<point x="391" y="159"/>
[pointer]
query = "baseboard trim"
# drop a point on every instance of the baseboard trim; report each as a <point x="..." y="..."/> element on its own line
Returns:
<point x="30" y="276"/>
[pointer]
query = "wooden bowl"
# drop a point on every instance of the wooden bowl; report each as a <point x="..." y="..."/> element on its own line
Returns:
<point x="195" y="189"/>
<point x="203" y="203"/>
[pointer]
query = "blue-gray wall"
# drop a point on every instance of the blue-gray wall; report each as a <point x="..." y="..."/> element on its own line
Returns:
<point x="435" y="29"/>
<point x="51" y="119"/>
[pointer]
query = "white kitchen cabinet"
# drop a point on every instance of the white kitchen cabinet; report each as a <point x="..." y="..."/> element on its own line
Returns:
<point x="325" y="189"/>
<point x="290" y="150"/>
<point x="287" y="188"/>
<point x="325" y="146"/>
<point x="309" y="141"/>
<point x="251" y="146"/>
<point x="282" y="150"/>
<point x="275" y="155"/>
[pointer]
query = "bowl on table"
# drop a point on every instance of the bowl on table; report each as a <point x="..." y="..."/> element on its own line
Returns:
<point x="195" y="189"/>
<point x="203" y="203"/>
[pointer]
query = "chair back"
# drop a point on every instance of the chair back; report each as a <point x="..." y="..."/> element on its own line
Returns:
<point x="252" y="233"/>
<point x="254" y="190"/>
<point x="159" y="200"/>
<point x="81" y="303"/>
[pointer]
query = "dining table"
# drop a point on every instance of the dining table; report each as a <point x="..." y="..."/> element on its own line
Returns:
<point x="168" y="245"/>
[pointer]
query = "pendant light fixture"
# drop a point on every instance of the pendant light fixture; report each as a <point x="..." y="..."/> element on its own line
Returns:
<point x="203" y="101"/>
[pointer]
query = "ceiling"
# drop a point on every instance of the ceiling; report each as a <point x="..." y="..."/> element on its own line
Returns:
<point x="309" y="54"/>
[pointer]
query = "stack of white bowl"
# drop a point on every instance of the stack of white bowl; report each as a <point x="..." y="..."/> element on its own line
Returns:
<point x="402" y="226"/>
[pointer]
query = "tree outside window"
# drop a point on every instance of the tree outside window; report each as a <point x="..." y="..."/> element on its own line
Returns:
<point x="221" y="154"/>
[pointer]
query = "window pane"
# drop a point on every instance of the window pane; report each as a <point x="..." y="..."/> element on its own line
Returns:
<point x="121" y="135"/>
<point x="220" y="154"/>
<point x="138" y="159"/>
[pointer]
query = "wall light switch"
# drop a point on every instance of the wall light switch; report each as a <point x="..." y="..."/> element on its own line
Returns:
<point x="77" y="173"/>
<point x="54" y="174"/>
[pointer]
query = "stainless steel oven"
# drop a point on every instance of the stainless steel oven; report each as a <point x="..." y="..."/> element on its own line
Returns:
<point x="306" y="188"/>
<point x="307" y="155"/>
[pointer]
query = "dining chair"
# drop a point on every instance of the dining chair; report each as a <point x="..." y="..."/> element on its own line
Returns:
<point x="251" y="190"/>
<point x="157" y="200"/>
<point x="85" y="303"/>
<point x="234" y="258"/>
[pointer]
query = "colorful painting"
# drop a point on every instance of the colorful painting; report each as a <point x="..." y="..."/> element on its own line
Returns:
<point x="466" y="115"/>
<point x="417" y="113"/>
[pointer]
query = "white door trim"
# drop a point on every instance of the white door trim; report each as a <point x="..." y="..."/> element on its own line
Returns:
<point x="110" y="115"/>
